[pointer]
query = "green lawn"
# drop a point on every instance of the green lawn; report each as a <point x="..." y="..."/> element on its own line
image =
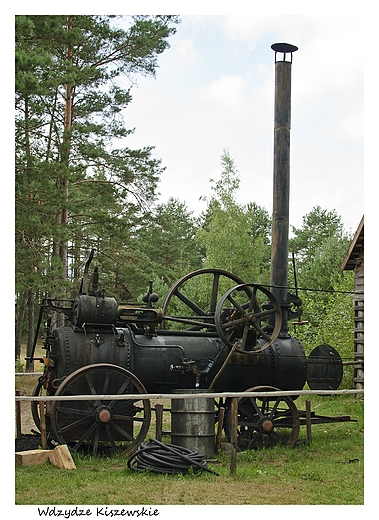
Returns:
<point x="329" y="471"/>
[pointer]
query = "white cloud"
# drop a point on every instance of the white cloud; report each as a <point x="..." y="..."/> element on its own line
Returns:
<point x="227" y="90"/>
<point x="186" y="51"/>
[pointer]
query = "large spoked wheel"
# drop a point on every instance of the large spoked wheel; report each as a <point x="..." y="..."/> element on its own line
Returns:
<point x="253" y="322"/>
<point x="104" y="426"/>
<point x="190" y="304"/>
<point x="265" y="421"/>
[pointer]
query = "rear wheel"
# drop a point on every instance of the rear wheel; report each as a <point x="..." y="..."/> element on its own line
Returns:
<point x="265" y="421"/>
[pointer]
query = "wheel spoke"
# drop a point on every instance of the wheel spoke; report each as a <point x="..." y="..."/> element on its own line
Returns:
<point x="110" y="438"/>
<point x="106" y="382"/>
<point x="127" y="418"/>
<point x="91" y="387"/>
<point x="126" y="435"/>
<point x="96" y="442"/>
<point x="274" y="408"/>
<point x="256" y="438"/>
<point x="251" y="409"/>
<point x="278" y="437"/>
<point x="76" y="411"/>
<point x="120" y="391"/>
<point x="266" y="336"/>
<point x="73" y="425"/>
<point x="193" y="306"/>
<point x="236" y="305"/>
<point x="86" y="435"/>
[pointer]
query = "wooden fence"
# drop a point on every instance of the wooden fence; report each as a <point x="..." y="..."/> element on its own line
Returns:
<point x="159" y="409"/>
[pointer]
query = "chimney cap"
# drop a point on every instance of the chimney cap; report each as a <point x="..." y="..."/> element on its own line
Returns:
<point x="283" y="47"/>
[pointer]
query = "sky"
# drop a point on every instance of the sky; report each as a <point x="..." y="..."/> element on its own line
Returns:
<point x="214" y="91"/>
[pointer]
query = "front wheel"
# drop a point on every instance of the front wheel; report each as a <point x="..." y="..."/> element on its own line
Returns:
<point x="106" y="426"/>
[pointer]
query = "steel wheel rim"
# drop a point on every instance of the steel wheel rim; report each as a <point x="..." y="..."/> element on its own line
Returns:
<point x="102" y="424"/>
<point x="247" y="319"/>
<point x="266" y="422"/>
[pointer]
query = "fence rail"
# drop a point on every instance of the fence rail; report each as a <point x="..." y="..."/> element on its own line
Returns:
<point x="120" y="397"/>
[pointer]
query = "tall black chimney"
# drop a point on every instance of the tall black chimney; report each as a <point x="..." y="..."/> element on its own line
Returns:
<point x="281" y="190"/>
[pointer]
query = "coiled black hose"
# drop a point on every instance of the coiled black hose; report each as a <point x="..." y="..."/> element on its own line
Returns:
<point x="157" y="457"/>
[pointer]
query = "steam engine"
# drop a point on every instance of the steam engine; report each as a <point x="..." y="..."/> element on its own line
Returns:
<point x="233" y="339"/>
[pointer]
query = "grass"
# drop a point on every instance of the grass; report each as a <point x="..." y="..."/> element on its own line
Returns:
<point x="329" y="471"/>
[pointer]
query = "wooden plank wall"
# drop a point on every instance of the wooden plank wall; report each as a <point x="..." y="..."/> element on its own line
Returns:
<point x="359" y="325"/>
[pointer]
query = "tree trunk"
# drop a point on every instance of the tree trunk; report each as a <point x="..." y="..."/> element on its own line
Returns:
<point x="30" y="336"/>
<point x="20" y="314"/>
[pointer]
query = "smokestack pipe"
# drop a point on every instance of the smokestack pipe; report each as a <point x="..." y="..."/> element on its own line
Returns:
<point x="281" y="188"/>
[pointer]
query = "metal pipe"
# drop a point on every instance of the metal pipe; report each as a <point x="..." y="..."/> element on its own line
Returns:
<point x="281" y="180"/>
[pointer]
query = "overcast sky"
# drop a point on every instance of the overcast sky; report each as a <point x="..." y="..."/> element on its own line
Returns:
<point x="214" y="90"/>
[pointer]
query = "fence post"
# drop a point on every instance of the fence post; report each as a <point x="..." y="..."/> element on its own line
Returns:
<point x="308" y="420"/>
<point x="221" y="415"/>
<point x="233" y="435"/>
<point x="159" y="421"/>
<point x="42" y="421"/>
<point x="18" y="416"/>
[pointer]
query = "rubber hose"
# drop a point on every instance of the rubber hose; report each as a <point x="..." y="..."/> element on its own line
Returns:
<point x="157" y="457"/>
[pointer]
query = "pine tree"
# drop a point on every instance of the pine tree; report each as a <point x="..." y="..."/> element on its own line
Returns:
<point x="71" y="179"/>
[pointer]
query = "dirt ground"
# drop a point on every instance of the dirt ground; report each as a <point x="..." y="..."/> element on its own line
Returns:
<point x="30" y="438"/>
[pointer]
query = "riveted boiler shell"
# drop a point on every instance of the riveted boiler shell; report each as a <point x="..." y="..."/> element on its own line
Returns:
<point x="76" y="348"/>
<point x="282" y="365"/>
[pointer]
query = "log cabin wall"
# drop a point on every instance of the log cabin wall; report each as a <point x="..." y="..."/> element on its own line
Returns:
<point x="354" y="260"/>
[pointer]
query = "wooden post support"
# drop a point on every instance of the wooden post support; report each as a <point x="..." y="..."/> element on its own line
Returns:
<point x="221" y="415"/>
<point x="308" y="421"/>
<point x="233" y="435"/>
<point x="42" y="421"/>
<point x="159" y="421"/>
<point x="18" y="416"/>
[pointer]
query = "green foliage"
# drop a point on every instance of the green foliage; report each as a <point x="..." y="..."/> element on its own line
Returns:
<point x="74" y="189"/>
<point x="318" y="226"/>
<point x="327" y="294"/>
<point x="19" y="367"/>
<point x="234" y="237"/>
<point x="167" y="239"/>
